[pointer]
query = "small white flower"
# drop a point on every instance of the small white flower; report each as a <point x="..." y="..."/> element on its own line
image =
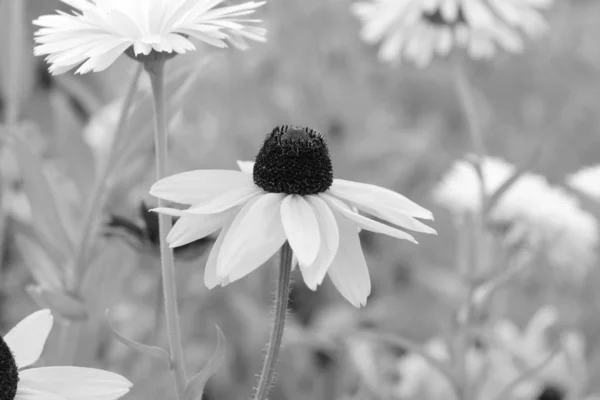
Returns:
<point x="420" y="29"/>
<point x="288" y="194"/>
<point x="23" y="346"/>
<point x="99" y="31"/>
<point x="587" y="180"/>
<point x="533" y="210"/>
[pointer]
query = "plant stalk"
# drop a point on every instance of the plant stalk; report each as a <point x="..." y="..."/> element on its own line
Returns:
<point x="265" y="382"/>
<point x="156" y="71"/>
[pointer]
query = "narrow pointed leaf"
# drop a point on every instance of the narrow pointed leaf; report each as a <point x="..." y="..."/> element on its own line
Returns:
<point x="152" y="351"/>
<point x="195" y="387"/>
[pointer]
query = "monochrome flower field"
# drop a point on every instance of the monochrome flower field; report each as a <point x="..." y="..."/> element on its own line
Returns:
<point x="300" y="199"/>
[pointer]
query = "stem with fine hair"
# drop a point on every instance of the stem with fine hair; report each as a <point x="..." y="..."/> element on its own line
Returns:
<point x="281" y="303"/>
<point x="156" y="71"/>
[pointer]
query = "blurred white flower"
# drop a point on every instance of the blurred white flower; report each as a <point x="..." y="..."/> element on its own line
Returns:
<point x="565" y="373"/>
<point x="490" y="369"/>
<point x="23" y="346"/>
<point x="544" y="216"/>
<point x="99" y="31"/>
<point x="288" y="194"/>
<point x="587" y="181"/>
<point x="420" y="29"/>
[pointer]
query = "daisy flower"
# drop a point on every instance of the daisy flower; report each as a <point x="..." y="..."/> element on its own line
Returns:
<point x="420" y="29"/>
<point x="23" y="346"/>
<point x="531" y="211"/>
<point x="289" y="194"/>
<point x="99" y="31"/>
<point x="587" y="180"/>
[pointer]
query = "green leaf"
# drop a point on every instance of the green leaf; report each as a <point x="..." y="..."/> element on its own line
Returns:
<point x="39" y="262"/>
<point x="61" y="303"/>
<point x="195" y="387"/>
<point x="152" y="351"/>
<point x="45" y="213"/>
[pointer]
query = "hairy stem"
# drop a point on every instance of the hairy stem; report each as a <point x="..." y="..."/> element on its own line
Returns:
<point x="281" y="303"/>
<point x="156" y="71"/>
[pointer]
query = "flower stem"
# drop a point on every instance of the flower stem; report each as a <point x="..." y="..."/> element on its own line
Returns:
<point x="156" y="71"/>
<point x="281" y="303"/>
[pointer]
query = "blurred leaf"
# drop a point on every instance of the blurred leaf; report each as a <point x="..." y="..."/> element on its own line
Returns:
<point x="152" y="351"/>
<point x="41" y="265"/>
<point x="70" y="146"/>
<point x="45" y="214"/>
<point x="195" y="387"/>
<point x="61" y="303"/>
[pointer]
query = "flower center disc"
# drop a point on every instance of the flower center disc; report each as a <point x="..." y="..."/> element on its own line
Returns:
<point x="9" y="375"/>
<point x="293" y="160"/>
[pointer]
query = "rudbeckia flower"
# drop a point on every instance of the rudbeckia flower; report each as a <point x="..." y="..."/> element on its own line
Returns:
<point x="420" y="29"/>
<point x="23" y="345"/>
<point x="99" y="31"/>
<point x="532" y="213"/>
<point x="289" y="194"/>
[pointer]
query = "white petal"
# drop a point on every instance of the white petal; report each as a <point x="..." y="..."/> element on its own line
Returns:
<point x="330" y="239"/>
<point x="210" y="272"/>
<point x="348" y="271"/>
<point x="196" y="187"/>
<point x="246" y="167"/>
<point x="371" y="196"/>
<point x="76" y="383"/>
<point x="27" y="339"/>
<point x="193" y="227"/>
<point x="301" y="228"/>
<point x="25" y="393"/>
<point x="383" y="203"/>
<point x="366" y="223"/>
<point x="254" y="236"/>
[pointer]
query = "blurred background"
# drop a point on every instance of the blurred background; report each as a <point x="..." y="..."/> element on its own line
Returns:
<point x="396" y="126"/>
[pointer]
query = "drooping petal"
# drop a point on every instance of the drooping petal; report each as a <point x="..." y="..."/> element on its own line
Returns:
<point x="76" y="383"/>
<point x="27" y="339"/>
<point x="301" y="228"/>
<point x="348" y="271"/>
<point x="366" y="196"/>
<point x="366" y="223"/>
<point x="210" y="272"/>
<point x="246" y="167"/>
<point x="191" y="227"/>
<point x="254" y="236"/>
<point x="201" y="186"/>
<point x="330" y="239"/>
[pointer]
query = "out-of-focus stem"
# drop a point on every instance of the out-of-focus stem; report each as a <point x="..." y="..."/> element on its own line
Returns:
<point x="156" y="72"/>
<point x="282" y="294"/>
<point x="95" y="202"/>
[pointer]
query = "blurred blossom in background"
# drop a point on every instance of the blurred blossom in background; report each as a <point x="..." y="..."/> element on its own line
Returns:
<point x="423" y="97"/>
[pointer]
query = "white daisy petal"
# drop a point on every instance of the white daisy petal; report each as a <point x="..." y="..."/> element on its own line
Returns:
<point x="210" y="272"/>
<point x="246" y="167"/>
<point x="24" y="393"/>
<point x="301" y="228"/>
<point x="255" y="235"/>
<point x="330" y="239"/>
<point x="366" y="223"/>
<point x="27" y="339"/>
<point x="348" y="271"/>
<point x="76" y="383"/>
<point x="196" y="187"/>
<point x="371" y="196"/>
<point x="192" y="227"/>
